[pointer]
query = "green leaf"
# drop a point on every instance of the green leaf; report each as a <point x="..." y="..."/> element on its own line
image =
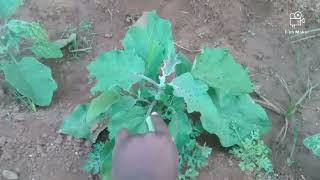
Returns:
<point x="8" y="7"/>
<point x="123" y="104"/>
<point x="246" y="114"/>
<point x="313" y="143"/>
<point x="75" y="123"/>
<point x="47" y="49"/>
<point x="218" y="69"/>
<point x="170" y="62"/>
<point x="106" y="154"/>
<point x="31" y="79"/>
<point x="101" y="104"/>
<point x="133" y="120"/>
<point x="151" y="38"/>
<point x="25" y="29"/>
<point x="195" y="95"/>
<point x="180" y="128"/>
<point x="241" y="110"/>
<point x="184" y="66"/>
<point x="116" y="68"/>
<point x="3" y="50"/>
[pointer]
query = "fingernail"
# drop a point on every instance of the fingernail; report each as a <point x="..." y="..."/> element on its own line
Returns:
<point x="154" y="113"/>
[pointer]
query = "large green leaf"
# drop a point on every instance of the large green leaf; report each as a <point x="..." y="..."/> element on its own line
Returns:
<point x="101" y="104"/>
<point x="241" y="111"/>
<point x="133" y="120"/>
<point x="31" y="79"/>
<point x="75" y="123"/>
<point x="180" y="129"/>
<point x="218" y="69"/>
<point x="116" y="68"/>
<point x="8" y="7"/>
<point x="313" y="143"/>
<point x="246" y="115"/>
<point x="123" y="104"/>
<point x="151" y="38"/>
<point x="30" y="30"/>
<point x="106" y="155"/>
<point x="47" y="49"/>
<point x="195" y="95"/>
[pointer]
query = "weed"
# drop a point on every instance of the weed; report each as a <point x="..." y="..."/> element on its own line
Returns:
<point x="253" y="153"/>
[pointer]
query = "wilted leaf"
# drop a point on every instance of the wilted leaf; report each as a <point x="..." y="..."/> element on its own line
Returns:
<point x="151" y="38"/>
<point x="31" y="79"/>
<point x="8" y="7"/>
<point x="75" y="123"/>
<point x="47" y="49"/>
<point x="116" y="68"/>
<point x="101" y="104"/>
<point x="313" y="143"/>
<point x="133" y="120"/>
<point x="218" y="69"/>
<point x="25" y="29"/>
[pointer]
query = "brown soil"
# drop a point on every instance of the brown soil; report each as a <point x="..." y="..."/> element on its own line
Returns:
<point x="252" y="29"/>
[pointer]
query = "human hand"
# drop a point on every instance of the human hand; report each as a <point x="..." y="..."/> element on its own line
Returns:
<point x="150" y="156"/>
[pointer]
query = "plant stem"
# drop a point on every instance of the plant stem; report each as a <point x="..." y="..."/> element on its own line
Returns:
<point x="13" y="58"/>
<point x="81" y="50"/>
<point x="154" y="102"/>
<point x="148" y="80"/>
<point x="136" y="97"/>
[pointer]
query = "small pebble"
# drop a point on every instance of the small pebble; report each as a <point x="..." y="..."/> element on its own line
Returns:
<point x="10" y="175"/>
<point x="108" y="35"/>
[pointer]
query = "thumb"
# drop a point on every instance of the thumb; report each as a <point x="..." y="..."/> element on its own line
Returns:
<point x="122" y="136"/>
<point x="158" y="123"/>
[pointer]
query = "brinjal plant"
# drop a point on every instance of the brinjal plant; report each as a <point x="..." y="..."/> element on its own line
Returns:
<point x="148" y="75"/>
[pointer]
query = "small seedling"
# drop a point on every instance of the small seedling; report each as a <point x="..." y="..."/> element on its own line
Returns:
<point x="133" y="82"/>
<point x="29" y="77"/>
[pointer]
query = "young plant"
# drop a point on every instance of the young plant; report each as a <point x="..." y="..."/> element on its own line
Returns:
<point x="133" y="82"/>
<point x="30" y="78"/>
<point x="253" y="153"/>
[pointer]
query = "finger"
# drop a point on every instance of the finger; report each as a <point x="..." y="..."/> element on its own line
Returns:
<point x="158" y="123"/>
<point x="122" y="135"/>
